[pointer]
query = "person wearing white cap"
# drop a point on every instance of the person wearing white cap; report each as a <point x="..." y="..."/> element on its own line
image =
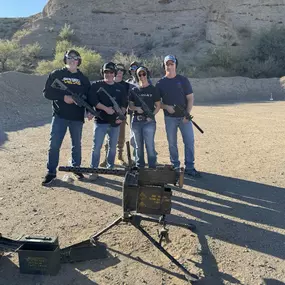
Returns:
<point x="176" y="91"/>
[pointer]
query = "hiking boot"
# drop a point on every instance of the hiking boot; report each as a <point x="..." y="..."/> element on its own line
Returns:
<point x="78" y="175"/>
<point x="48" y="179"/>
<point x="193" y="172"/>
<point x="103" y="164"/>
<point x="93" y="176"/>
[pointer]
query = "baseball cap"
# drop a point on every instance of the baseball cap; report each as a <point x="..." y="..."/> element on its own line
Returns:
<point x="169" y="57"/>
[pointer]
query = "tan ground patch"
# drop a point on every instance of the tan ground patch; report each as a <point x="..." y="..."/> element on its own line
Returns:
<point x="238" y="205"/>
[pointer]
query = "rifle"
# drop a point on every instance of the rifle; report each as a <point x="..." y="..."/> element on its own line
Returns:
<point x="145" y="107"/>
<point x="79" y="99"/>
<point x="116" y="106"/>
<point x="187" y="116"/>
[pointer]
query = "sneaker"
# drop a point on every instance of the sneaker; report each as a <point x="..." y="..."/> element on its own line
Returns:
<point x="78" y="175"/>
<point x="193" y="173"/>
<point x="48" y="179"/>
<point x="93" y="176"/>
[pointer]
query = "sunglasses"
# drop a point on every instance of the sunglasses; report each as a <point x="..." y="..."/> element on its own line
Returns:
<point x="133" y="67"/>
<point x="108" y="71"/>
<point x="142" y="74"/>
<point x="120" y="69"/>
<point x="73" y="57"/>
<point x="170" y="63"/>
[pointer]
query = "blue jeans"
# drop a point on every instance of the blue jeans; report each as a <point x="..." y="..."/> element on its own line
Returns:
<point x="144" y="132"/>
<point x="58" y="130"/>
<point x="172" y="124"/>
<point x="100" y="131"/>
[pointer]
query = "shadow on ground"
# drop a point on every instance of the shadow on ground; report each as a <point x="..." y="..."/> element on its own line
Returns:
<point x="225" y="208"/>
<point x="68" y="274"/>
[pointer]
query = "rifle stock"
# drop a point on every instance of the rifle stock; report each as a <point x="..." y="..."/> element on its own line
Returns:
<point x="188" y="117"/>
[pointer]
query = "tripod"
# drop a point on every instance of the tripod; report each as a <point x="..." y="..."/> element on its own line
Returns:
<point x="135" y="219"/>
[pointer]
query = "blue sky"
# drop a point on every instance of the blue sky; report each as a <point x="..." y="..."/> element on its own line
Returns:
<point x="20" y="8"/>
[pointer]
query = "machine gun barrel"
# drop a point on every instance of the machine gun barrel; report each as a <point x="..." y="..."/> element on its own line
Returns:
<point x="159" y="176"/>
<point x="106" y="171"/>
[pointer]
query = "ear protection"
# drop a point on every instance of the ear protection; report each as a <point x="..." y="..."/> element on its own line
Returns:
<point x="133" y="63"/>
<point x="121" y="66"/>
<point x="109" y="65"/>
<point x="147" y="73"/>
<point x="72" y="51"/>
<point x="163" y="65"/>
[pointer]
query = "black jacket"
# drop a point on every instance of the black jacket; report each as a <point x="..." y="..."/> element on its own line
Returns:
<point x="77" y="83"/>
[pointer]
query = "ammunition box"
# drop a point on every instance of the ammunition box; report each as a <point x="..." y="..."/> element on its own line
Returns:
<point x="39" y="255"/>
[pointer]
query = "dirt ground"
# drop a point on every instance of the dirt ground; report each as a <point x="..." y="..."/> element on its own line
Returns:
<point x="238" y="205"/>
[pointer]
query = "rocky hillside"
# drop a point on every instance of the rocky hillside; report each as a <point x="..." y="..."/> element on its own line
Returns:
<point x="184" y="27"/>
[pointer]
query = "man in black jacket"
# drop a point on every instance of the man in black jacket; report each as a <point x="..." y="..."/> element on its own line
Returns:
<point x="66" y="114"/>
<point x="99" y="97"/>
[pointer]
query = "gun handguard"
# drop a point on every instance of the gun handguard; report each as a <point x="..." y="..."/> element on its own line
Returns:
<point x="116" y="106"/>
<point x="145" y="108"/>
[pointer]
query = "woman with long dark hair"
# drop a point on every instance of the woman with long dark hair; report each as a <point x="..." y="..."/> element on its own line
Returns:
<point x="145" y="102"/>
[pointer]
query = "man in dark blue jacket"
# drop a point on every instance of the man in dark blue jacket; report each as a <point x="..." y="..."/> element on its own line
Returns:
<point x="66" y="114"/>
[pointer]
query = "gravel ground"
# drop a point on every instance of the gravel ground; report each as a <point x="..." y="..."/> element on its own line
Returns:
<point x="238" y="205"/>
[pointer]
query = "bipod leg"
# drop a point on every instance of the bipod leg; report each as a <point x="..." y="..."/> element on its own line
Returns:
<point x="189" y="276"/>
<point x="165" y="222"/>
<point x="97" y="235"/>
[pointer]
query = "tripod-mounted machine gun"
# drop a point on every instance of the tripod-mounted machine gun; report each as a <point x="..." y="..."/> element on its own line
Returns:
<point x="145" y="192"/>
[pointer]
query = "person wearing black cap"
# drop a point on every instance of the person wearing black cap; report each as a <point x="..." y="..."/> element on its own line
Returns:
<point x="121" y="71"/>
<point x="144" y="124"/>
<point x="109" y="122"/>
<point x="175" y="90"/>
<point x="66" y="114"/>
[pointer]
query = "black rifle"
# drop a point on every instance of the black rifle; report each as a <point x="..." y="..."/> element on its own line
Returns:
<point x="182" y="110"/>
<point x="116" y="106"/>
<point x="148" y="113"/>
<point x="79" y="99"/>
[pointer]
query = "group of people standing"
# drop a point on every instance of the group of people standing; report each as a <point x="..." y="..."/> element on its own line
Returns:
<point x="115" y="99"/>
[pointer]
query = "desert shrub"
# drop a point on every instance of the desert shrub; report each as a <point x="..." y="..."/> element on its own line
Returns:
<point x="20" y="34"/>
<point x="153" y="63"/>
<point x="28" y="56"/>
<point x="8" y="53"/>
<point x="269" y="44"/>
<point x="31" y="51"/>
<point x="62" y="46"/>
<point x="66" y="33"/>
<point x="221" y="57"/>
<point x="46" y="66"/>
<point x="125" y="59"/>
<point x="91" y="61"/>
